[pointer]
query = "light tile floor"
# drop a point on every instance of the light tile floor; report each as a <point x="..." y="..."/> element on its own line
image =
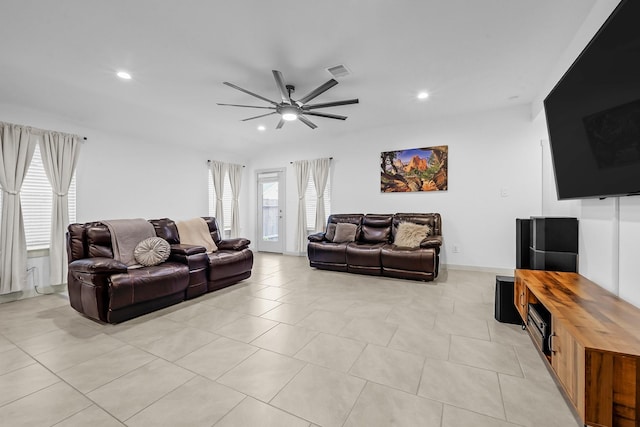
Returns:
<point x="292" y="346"/>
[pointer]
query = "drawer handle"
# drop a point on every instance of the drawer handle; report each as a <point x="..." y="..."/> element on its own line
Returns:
<point x="550" y="343"/>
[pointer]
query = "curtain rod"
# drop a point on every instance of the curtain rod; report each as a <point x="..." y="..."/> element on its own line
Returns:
<point x="39" y="131"/>
<point x="209" y="161"/>
<point x="330" y="158"/>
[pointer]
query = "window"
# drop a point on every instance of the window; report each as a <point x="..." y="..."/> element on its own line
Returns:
<point x="311" y="199"/>
<point x="35" y="197"/>
<point x="227" y="199"/>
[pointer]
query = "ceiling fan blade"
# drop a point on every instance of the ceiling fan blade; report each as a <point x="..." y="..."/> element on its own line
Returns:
<point x="307" y="122"/>
<point x="280" y="124"/>
<point x="248" y="106"/>
<point x="250" y="93"/>
<point x="317" y="91"/>
<point x="281" y="86"/>
<point x="330" y="104"/>
<point x="257" y="117"/>
<point x="327" y="115"/>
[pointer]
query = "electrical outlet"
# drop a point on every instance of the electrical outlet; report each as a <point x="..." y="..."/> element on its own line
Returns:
<point x="456" y="249"/>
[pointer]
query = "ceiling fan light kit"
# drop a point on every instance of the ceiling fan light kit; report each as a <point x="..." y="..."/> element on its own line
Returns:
<point x="290" y="109"/>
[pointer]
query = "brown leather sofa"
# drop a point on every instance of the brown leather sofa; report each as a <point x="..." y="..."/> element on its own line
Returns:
<point x="231" y="263"/>
<point x="102" y="288"/>
<point x="373" y="251"/>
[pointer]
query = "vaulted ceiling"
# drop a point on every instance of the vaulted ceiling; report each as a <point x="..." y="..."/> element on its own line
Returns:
<point x="470" y="55"/>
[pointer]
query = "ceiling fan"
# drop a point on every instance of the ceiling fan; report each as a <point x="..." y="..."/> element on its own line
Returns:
<point x="290" y="109"/>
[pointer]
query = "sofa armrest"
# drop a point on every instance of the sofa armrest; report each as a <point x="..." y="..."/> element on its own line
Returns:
<point x="431" y="242"/>
<point x="234" y="244"/>
<point x="317" y="237"/>
<point x="98" y="265"/>
<point x="186" y="250"/>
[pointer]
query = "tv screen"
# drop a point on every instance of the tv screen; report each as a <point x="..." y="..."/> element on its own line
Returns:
<point x="593" y="113"/>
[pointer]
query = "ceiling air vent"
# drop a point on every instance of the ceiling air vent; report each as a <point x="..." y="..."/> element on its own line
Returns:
<point x="339" y="71"/>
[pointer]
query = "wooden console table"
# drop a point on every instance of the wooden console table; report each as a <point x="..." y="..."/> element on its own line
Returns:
<point x="594" y="344"/>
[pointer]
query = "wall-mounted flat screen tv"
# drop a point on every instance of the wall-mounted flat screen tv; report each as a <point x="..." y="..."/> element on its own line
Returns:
<point x="593" y="113"/>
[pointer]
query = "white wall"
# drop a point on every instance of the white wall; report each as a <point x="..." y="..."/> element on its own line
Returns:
<point x="488" y="152"/>
<point x="124" y="177"/>
<point x="629" y="267"/>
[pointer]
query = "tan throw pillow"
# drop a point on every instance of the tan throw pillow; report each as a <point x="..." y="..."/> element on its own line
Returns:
<point x="152" y="251"/>
<point x="410" y="235"/>
<point x="345" y="232"/>
<point x="331" y="232"/>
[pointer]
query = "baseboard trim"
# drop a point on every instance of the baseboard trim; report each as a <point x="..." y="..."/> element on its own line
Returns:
<point x="59" y="290"/>
<point x="496" y="270"/>
<point x="294" y="253"/>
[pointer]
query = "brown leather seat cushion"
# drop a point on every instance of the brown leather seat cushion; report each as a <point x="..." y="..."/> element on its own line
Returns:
<point x="364" y="254"/>
<point x="327" y="252"/>
<point x="229" y="263"/>
<point x="410" y="259"/>
<point x="147" y="283"/>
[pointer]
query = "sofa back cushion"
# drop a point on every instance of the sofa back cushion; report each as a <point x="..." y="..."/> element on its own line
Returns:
<point x="214" y="229"/>
<point x="98" y="240"/>
<point x="376" y="228"/>
<point x="348" y="218"/>
<point x="433" y="220"/>
<point x="76" y="248"/>
<point x="166" y="228"/>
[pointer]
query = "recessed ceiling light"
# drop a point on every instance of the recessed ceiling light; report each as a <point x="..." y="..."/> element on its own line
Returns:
<point x="262" y="128"/>
<point x="123" y="75"/>
<point x="423" y="95"/>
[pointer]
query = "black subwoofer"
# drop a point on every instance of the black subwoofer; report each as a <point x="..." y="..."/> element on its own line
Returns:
<point x="505" y="309"/>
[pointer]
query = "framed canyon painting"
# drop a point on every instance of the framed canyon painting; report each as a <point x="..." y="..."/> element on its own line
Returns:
<point x="415" y="169"/>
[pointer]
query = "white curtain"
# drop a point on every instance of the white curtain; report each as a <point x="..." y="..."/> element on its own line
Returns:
<point x="302" y="178"/>
<point x="320" y="173"/>
<point x="218" y="169"/>
<point x="235" y="180"/>
<point x="59" y="157"/>
<point x="16" y="150"/>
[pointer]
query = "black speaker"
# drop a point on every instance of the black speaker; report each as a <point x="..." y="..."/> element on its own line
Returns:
<point x="523" y="241"/>
<point x="554" y="234"/>
<point x="553" y="261"/>
<point x="505" y="309"/>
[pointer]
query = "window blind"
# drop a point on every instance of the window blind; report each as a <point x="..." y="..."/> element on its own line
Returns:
<point x="35" y="197"/>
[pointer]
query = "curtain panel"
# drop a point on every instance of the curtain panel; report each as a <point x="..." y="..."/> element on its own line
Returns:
<point x="235" y="180"/>
<point x="16" y="151"/>
<point x="301" y="168"/>
<point x="218" y="170"/>
<point x="59" y="157"/>
<point x="320" y="174"/>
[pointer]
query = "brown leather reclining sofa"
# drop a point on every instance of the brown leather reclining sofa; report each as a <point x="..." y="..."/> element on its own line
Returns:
<point x="373" y="251"/>
<point x="104" y="289"/>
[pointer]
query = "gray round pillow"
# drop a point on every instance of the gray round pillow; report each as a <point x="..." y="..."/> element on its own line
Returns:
<point x="152" y="251"/>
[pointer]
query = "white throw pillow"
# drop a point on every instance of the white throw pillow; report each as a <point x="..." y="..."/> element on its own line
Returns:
<point x="152" y="251"/>
<point x="410" y="235"/>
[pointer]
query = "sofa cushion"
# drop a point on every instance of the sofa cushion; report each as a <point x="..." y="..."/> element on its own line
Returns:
<point x="410" y="235"/>
<point x="152" y="251"/>
<point x="226" y="263"/>
<point x="331" y="232"/>
<point x="146" y="284"/>
<point x="345" y="232"/>
<point x="375" y="234"/>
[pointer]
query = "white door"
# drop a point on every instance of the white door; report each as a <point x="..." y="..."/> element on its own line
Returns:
<point x="271" y="197"/>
